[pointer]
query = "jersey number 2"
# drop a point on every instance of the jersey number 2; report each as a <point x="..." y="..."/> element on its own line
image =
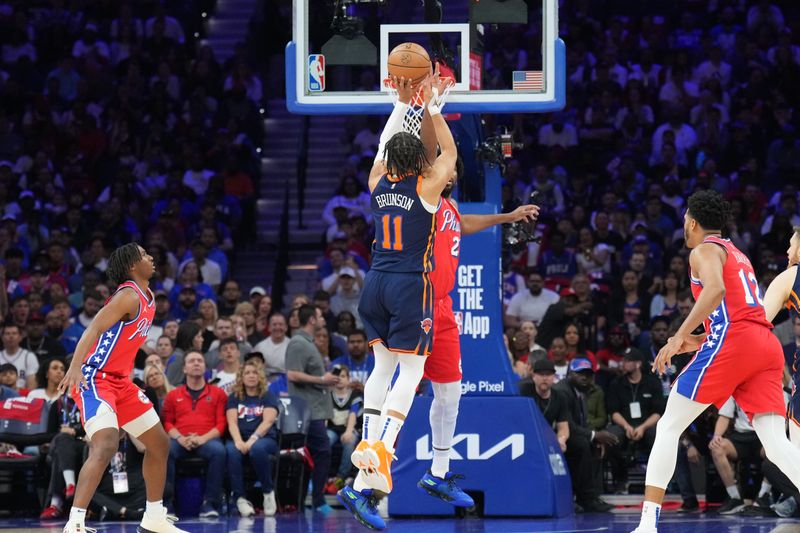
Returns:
<point x="392" y="240"/>
<point x="748" y="292"/>
<point x="456" y="244"/>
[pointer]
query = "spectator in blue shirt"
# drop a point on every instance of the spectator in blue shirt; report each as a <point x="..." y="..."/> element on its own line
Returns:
<point x="92" y="302"/>
<point x="557" y="261"/>
<point x="251" y="414"/>
<point x="359" y="362"/>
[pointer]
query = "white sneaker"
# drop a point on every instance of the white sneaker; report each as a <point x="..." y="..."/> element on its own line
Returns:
<point x="245" y="507"/>
<point x="270" y="506"/>
<point x="158" y="522"/>
<point x="72" y="527"/>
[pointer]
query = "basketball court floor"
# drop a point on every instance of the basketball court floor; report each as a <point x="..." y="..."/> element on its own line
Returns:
<point x="341" y="522"/>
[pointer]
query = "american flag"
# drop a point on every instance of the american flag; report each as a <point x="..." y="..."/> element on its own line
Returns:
<point x="527" y="80"/>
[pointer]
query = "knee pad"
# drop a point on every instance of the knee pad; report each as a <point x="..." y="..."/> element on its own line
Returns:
<point x="446" y="398"/>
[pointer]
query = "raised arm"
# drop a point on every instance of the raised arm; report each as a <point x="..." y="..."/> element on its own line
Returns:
<point x="474" y="223"/>
<point x="442" y="169"/>
<point x="779" y="291"/>
<point x="393" y="125"/>
<point x="427" y="133"/>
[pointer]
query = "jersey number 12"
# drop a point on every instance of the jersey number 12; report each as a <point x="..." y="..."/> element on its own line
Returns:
<point x="748" y="292"/>
<point x="392" y="240"/>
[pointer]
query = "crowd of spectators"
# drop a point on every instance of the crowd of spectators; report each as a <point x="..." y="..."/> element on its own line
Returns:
<point x="663" y="100"/>
<point x="116" y="126"/>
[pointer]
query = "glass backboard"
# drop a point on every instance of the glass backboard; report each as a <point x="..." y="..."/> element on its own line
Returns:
<point x="505" y="55"/>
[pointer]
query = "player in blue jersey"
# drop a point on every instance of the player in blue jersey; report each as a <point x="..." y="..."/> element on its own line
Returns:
<point x="396" y="304"/>
<point x="785" y="291"/>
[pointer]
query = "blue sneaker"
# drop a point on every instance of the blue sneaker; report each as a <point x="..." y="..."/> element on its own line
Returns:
<point x="362" y="505"/>
<point x="324" y="509"/>
<point x="445" y="489"/>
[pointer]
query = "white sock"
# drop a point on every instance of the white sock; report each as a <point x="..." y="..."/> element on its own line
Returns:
<point x="154" y="508"/>
<point x="733" y="492"/>
<point x="56" y="501"/>
<point x="69" y="477"/>
<point x="359" y="484"/>
<point x="371" y="427"/>
<point x="766" y="487"/>
<point x="441" y="462"/>
<point x="650" y="513"/>
<point x="391" y="428"/>
<point x="77" y="515"/>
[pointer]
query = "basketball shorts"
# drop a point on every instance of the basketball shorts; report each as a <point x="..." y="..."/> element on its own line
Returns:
<point x="111" y="401"/>
<point x="742" y="360"/>
<point x="444" y="363"/>
<point x="396" y="309"/>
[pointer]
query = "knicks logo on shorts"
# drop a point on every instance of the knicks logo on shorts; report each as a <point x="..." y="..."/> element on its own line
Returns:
<point x="426" y="325"/>
<point x="143" y="398"/>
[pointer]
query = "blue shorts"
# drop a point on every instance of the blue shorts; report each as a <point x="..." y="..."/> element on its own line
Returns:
<point x="396" y="309"/>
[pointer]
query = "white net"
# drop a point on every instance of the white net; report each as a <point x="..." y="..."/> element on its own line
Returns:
<point x="412" y="122"/>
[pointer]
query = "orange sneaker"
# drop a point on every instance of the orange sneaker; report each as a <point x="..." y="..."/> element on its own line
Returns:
<point x="357" y="457"/>
<point x="379" y="477"/>
<point x="375" y="462"/>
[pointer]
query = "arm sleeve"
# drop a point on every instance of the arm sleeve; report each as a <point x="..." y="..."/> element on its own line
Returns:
<point x="393" y="125"/>
<point x="728" y="409"/>
<point x="598" y="417"/>
<point x="612" y="400"/>
<point x="294" y="357"/>
<point x="232" y="402"/>
<point x="221" y="422"/>
<point x="269" y="400"/>
<point x="563" y="414"/>
<point x="168" y="412"/>
<point x="514" y="306"/>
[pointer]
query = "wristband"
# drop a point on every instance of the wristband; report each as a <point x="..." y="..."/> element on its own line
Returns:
<point x="434" y="109"/>
<point x="255" y="436"/>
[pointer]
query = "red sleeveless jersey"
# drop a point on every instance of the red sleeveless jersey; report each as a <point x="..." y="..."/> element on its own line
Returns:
<point x="446" y="248"/>
<point x="742" y="302"/>
<point x="115" y="350"/>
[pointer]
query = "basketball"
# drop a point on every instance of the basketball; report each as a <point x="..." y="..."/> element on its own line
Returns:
<point x="410" y="61"/>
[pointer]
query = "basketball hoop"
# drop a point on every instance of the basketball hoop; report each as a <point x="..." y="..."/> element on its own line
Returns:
<point x="412" y="122"/>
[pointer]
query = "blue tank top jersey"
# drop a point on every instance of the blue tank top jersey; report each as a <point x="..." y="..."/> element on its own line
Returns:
<point x="404" y="228"/>
<point x="794" y="297"/>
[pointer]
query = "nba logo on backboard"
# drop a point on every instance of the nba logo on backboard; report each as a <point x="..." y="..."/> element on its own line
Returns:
<point x="316" y="73"/>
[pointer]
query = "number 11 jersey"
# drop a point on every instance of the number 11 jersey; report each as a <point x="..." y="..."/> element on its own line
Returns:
<point x="404" y="226"/>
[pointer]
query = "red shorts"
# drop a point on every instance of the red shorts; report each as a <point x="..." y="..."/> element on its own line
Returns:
<point x="443" y="365"/>
<point x="106" y="392"/>
<point x="744" y="361"/>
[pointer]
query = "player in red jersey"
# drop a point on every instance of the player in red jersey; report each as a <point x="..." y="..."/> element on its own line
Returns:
<point x="443" y="366"/>
<point x="737" y="354"/>
<point x="99" y="380"/>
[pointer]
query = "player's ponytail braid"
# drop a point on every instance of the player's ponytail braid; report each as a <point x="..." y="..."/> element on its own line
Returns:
<point x="405" y="155"/>
<point x="121" y="261"/>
